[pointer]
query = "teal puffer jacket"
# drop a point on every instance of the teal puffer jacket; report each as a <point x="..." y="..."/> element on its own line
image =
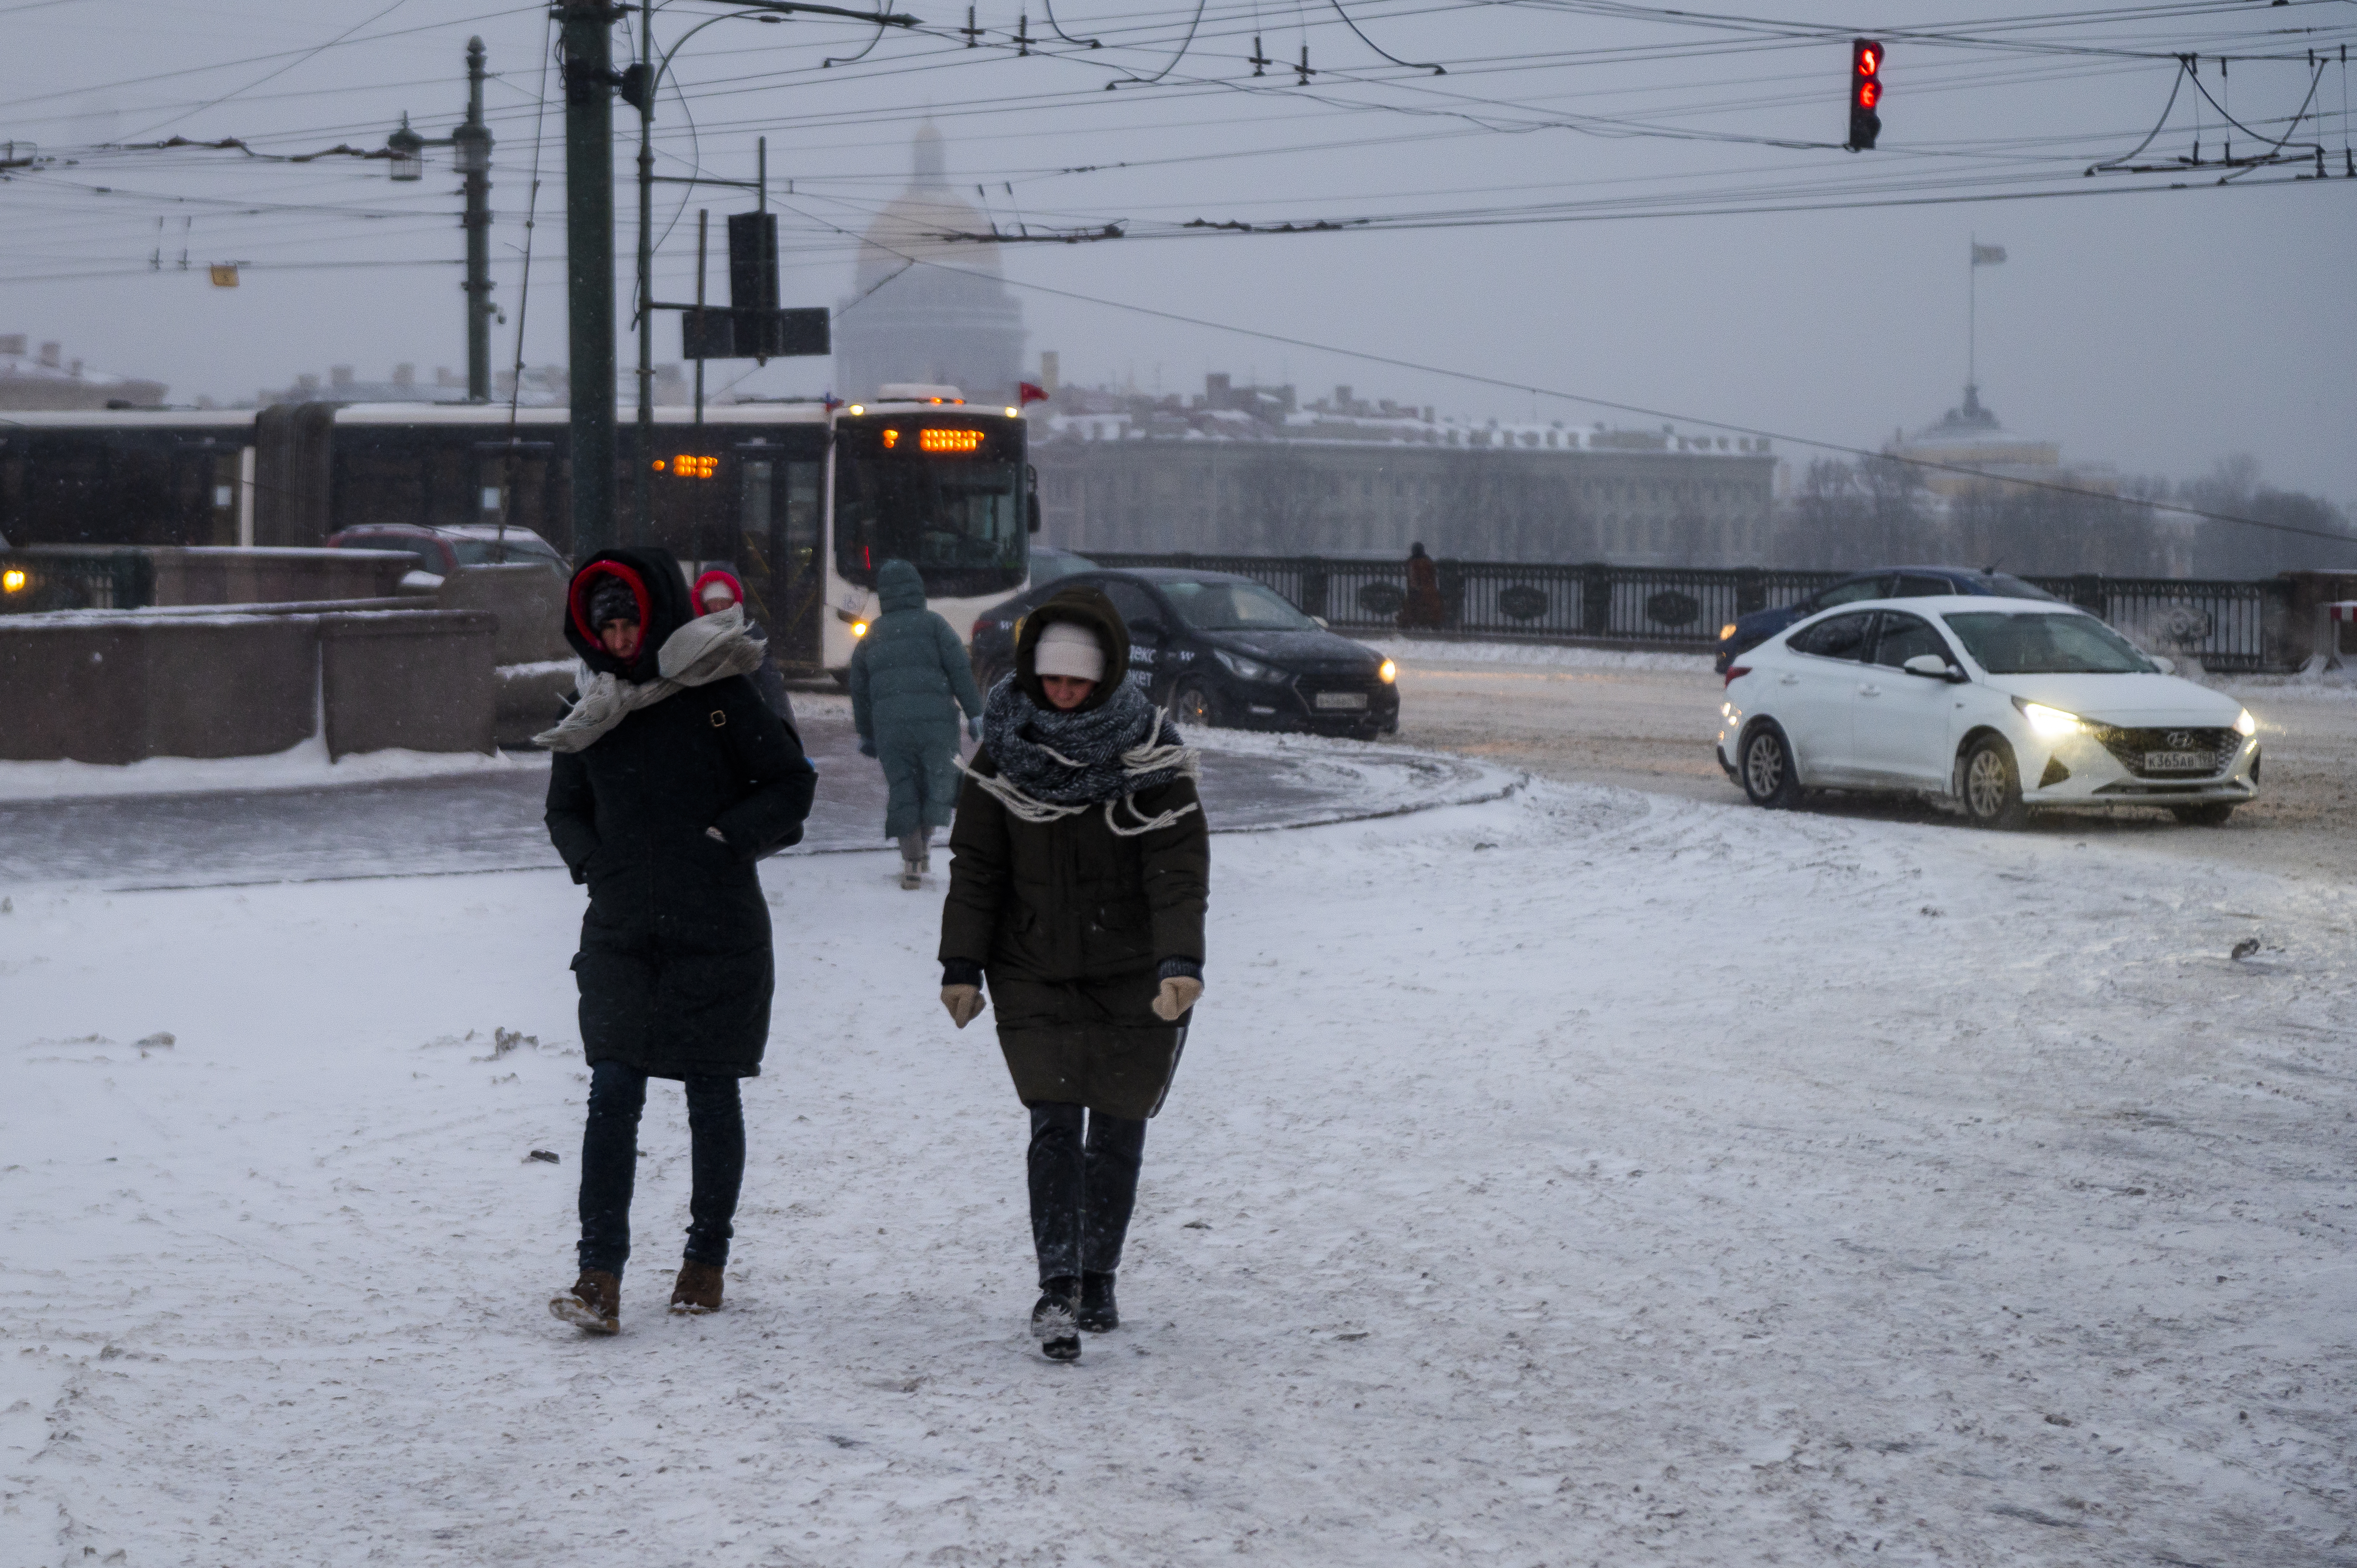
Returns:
<point x="909" y="674"/>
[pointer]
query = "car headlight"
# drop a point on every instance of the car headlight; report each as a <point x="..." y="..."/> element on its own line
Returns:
<point x="2244" y="725"/>
<point x="1247" y="669"/>
<point x="859" y="628"/>
<point x="13" y="581"/>
<point x="2052" y="723"/>
<point x="1388" y="673"/>
<point x="1726" y="631"/>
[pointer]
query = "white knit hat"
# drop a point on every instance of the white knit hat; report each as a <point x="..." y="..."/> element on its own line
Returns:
<point x="1070" y="649"/>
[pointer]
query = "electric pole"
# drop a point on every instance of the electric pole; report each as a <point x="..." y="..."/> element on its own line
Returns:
<point x="588" y="51"/>
<point x="472" y="144"/>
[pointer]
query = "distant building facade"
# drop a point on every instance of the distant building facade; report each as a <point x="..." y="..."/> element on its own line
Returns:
<point x="545" y="386"/>
<point x="927" y="309"/>
<point x="45" y="379"/>
<point x="1248" y="470"/>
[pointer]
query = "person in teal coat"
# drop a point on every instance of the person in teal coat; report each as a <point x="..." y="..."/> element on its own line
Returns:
<point x="910" y="676"/>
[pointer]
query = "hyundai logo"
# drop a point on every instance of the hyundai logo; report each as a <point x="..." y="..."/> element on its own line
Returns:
<point x="2180" y="740"/>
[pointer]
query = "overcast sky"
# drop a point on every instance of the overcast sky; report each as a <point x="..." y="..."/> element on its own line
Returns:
<point x="2153" y="329"/>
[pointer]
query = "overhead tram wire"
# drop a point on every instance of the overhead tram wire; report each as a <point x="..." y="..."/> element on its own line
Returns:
<point x="1643" y="410"/>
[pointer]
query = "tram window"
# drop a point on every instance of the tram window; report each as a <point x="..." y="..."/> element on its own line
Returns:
<point x="378" y="484"/>
<point x="802" y="497"/>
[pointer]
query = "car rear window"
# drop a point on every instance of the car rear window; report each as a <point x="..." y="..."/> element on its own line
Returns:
<point x="2045" y="642"/>
<point x="1839" y="636"/>
<point x="1235" y="606"/>
<point x="2005" y="585"/>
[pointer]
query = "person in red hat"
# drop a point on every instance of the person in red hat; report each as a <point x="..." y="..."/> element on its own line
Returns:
<point x="719" y="589"/>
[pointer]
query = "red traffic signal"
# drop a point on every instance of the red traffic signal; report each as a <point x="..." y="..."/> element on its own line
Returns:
<point x="1865" y="92"/>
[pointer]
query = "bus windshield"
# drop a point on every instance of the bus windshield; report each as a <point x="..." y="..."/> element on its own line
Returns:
<point x="944" y="494"/>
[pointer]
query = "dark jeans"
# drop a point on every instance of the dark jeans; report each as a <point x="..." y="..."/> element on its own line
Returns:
<point x="1082" y="1188"/>
<point x="610" y="1164"/>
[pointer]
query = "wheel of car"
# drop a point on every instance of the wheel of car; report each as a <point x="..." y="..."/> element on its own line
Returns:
<point x="1768" y="775"/>
<point x="2208" y="814"/>
<point x="1192" y="703"/>
<point x="1992" y="786"/>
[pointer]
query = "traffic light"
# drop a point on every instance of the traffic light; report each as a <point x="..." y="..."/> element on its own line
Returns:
<point x="1865" y="92"/>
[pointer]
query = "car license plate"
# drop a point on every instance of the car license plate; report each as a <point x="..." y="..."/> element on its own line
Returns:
<point x="2179" y="762"/>
<point x="1352" y="700"/>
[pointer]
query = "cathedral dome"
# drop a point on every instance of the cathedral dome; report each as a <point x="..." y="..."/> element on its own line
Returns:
<point x="910" y="223"/>
<point x="950" y="319"/>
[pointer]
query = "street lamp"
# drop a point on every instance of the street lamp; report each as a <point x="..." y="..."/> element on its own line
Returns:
<point x="470" y="145"/>
<point x="408" y="149"/>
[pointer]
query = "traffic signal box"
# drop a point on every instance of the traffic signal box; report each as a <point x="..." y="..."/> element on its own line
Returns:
<point x="753" y="327"/>
<point x="1865" y="92"/>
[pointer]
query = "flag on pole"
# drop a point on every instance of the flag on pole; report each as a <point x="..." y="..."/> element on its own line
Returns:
<point x="1986" y="255"/>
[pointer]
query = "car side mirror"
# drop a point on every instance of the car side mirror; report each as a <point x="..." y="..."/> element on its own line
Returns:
<point x="1932" y="667"/>
<point x="2162" y="666"/>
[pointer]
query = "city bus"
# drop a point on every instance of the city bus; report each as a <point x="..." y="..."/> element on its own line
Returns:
<point x="803" y="500"/>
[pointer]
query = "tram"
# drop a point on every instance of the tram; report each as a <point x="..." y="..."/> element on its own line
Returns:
<point x="802" y="501"/>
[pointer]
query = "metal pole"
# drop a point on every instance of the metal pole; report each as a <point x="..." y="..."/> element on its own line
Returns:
<point x="1973" y="315"/>
<point x="589" y="45"/>
<point x="702" y="234"/>
<point x="475" y="158"/>
<point x="644" y="488"/>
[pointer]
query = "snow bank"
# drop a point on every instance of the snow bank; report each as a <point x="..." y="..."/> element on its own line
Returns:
<point x="1576" y="1177"/>
<point x="303" y="766"/>
<point x="1415" y="653"/>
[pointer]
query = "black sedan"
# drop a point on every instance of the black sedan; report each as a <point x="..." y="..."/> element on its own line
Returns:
<point x="1220" y="650"/>
<point x="1747" y="633"/>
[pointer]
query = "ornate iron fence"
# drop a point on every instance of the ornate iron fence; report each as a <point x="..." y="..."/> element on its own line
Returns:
<point x="2226" y="627"/>
<point x="59" y="577"/>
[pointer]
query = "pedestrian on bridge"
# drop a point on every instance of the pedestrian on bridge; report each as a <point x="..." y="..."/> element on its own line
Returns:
<point x="1077" y="890"/>
<point x="909" y="677"/>
<point x="720" y="589"/>
<point x="669" y="777"/>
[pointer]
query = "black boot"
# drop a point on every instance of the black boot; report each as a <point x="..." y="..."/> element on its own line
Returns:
<point x="1052" y="1320"/>
<point x="1097" y="1314"/>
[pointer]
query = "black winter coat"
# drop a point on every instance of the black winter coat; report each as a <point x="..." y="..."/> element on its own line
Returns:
<point x="1072" y="922"/>
<point x="675" y="969"/>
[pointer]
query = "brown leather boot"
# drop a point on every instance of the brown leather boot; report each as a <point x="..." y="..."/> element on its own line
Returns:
<point x="698" y="1289"/>
<point x="595" y="1303"/>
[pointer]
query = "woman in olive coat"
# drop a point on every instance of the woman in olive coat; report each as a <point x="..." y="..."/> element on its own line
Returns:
<point x="668" y="778"/>
<point x="1077" y="890"/>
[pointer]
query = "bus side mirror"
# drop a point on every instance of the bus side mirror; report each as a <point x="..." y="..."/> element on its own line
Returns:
<point x="1031" y="513"/>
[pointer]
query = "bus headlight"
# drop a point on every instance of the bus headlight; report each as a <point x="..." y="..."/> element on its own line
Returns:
<point x="859" y="628"/>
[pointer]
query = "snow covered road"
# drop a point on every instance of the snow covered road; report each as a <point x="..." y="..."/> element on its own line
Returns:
<point x="1579" y="1177"/>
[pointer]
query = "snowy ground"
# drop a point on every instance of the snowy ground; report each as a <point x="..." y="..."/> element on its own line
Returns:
<point x="1577" y="1178"/>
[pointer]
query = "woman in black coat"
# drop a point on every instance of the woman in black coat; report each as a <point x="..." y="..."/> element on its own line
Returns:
<point x="1077" y="890"/>
<point x="671" y="777"/>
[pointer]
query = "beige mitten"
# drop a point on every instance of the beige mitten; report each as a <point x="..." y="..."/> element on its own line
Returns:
<point x="1178" y="994"/>
<point x="965" y="1003"/>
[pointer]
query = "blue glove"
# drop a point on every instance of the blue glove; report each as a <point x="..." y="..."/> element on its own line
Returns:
<point x="866" y="748"/>
<point x="973" y="729"/>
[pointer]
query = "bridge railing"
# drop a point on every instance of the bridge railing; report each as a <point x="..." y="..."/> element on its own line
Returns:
<point x="2226" y="627"/>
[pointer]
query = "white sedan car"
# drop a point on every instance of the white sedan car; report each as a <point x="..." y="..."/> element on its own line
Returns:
<point x="1993" y="706"/>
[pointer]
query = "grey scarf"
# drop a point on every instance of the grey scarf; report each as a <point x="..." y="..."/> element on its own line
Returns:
<point x="708" y="649"/>
<point x="1054" y="764"/>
